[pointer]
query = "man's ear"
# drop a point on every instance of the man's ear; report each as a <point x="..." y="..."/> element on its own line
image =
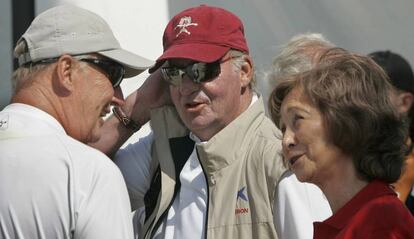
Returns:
<point x="246" y="71"/>
<point x="65" y="72"/>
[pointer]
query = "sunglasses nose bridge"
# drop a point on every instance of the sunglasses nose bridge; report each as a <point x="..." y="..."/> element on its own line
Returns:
<point x="188" y="85"/>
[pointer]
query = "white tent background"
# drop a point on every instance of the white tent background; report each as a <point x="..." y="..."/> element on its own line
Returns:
<point x="356" y="25"/>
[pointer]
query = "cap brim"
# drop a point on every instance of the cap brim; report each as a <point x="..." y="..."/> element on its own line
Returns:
<point x="132" y="63"/>
<point x="194" y="51"/>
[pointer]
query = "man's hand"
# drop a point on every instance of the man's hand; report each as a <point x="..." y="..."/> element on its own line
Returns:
<point x="153" y="93"/>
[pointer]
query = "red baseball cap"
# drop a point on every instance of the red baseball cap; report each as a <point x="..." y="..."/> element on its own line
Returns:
<point x="203" y="34"/>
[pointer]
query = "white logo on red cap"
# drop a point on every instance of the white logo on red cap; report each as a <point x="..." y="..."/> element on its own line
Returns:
<point x="183" y="24"/>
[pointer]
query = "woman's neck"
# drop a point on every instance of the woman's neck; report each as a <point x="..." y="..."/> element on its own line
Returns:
<point x="342" y="187"/>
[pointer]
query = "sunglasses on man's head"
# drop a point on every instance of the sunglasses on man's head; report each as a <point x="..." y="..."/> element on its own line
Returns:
<point x="114" y="70"/>
<point x="198" y="72"/>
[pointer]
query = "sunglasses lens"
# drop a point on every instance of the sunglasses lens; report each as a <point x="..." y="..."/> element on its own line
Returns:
<point x="114" y="70"/>
<point x="172" y="75"/>
<point x="198" y="72"/>
<point x="116" y="74"/>
<point x="212" y="70"/>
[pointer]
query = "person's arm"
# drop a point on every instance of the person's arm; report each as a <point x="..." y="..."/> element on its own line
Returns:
<point x="296" y="206"/>
<point x="152" y="94"/>
<point x="134" y="161"/>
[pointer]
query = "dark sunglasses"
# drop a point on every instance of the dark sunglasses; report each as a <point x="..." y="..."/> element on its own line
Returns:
<point x="198" y="72"/>
<point x="115" y="71"/>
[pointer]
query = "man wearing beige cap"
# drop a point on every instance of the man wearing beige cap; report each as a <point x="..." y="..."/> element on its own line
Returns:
<point x="211" y="165"/>
<point x="52" y="185"/>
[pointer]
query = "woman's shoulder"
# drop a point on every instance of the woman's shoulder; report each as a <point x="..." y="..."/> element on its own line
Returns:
<point x="384" y="213"/>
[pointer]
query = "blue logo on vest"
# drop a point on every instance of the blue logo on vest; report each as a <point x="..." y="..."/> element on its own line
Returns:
<point x="241" y="194"/>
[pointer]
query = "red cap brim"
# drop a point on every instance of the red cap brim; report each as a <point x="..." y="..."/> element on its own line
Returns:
<point x="201" y="52"/>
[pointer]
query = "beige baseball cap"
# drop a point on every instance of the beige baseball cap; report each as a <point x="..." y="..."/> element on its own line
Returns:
<point x="72" y="30"/>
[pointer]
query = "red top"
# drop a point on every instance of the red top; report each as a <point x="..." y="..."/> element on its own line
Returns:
<point x="374" y="212"/>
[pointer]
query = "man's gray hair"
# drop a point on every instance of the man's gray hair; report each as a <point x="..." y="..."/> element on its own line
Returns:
<point x="24" y="72"/>
<point x="238" y="61"/>
<point x="297" y="55"/>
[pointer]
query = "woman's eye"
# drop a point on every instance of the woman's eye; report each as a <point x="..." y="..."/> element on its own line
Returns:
<point x="296" y="120"/>
<point x="283" y="129"/>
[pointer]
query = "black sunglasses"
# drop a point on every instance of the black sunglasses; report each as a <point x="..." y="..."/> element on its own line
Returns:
<point x="114" y="70"/>
<point x="198" y="72"/>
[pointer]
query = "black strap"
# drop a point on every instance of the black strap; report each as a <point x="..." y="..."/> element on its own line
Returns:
<point x="181" y="149"/>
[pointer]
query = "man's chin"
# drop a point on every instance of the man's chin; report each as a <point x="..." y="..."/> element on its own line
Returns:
<point x="95" y="135"/>
<point x="93" y="139"/>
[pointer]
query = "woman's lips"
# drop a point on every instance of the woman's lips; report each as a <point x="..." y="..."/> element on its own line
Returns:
<point x="293" y="159"/>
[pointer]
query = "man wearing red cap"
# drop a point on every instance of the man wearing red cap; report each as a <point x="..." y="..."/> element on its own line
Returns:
<point x="211" y="165"/>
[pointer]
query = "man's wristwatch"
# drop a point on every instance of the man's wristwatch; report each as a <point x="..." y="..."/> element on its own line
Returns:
<point x="125" y="120"/>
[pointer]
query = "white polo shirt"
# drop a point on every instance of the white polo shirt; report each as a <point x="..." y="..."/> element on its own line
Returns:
<point x="53" y="186"/>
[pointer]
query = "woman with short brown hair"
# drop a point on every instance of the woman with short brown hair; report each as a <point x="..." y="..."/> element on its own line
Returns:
<point x="341" y="132"/>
